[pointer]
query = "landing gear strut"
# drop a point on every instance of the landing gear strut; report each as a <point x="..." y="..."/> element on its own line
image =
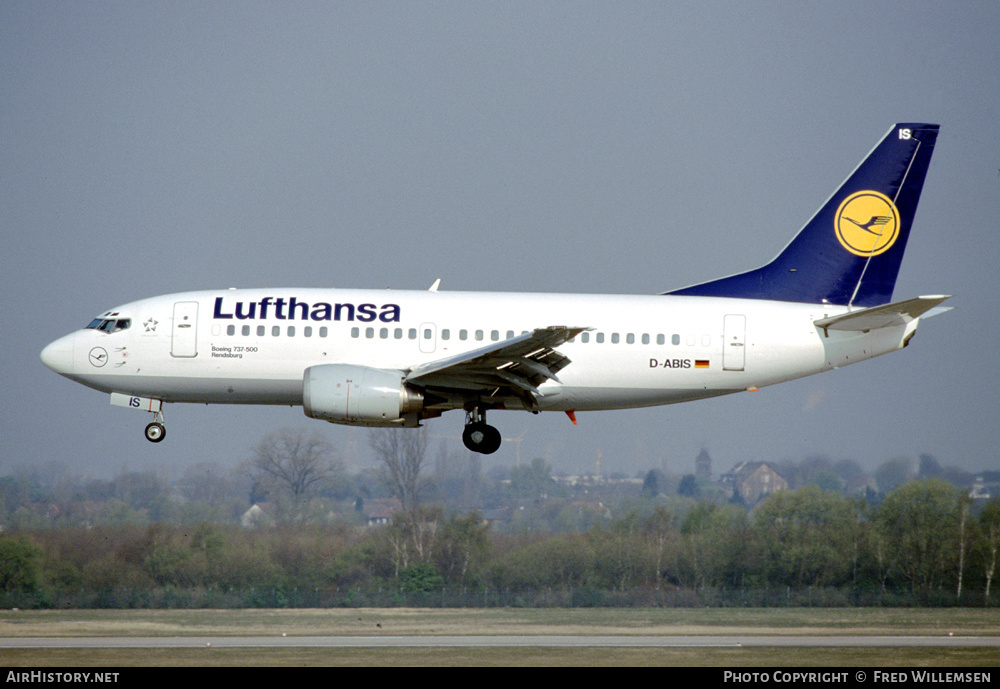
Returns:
<point x="478" y="435"/>
<point x="156" y="431"/>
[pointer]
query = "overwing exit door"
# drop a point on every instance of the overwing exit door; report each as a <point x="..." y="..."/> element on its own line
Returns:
<point x="428" y="337"/>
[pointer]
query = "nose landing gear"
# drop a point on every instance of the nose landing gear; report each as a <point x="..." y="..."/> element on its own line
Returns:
<point x="478" y="435"/>
<point x="156" y="431"/>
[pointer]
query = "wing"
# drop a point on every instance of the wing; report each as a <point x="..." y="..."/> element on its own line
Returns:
<point x="512" y="367"/>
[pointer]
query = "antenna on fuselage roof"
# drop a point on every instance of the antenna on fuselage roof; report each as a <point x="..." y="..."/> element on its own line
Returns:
<point x="434" y="287"/>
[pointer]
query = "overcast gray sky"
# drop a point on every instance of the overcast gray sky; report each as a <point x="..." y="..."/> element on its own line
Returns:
<point x="623" y="147"/>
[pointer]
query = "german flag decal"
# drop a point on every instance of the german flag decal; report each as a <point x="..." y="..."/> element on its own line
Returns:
<point x="701" y="363"/>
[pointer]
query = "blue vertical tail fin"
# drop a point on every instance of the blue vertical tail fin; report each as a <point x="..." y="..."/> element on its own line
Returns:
<point x="849" y="253"/>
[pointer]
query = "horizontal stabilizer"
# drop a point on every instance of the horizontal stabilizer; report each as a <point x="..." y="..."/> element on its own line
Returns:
<point x="886" y="316"/>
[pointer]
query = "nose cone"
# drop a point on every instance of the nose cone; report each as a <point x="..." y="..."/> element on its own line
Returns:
<point x="58" y="356"/>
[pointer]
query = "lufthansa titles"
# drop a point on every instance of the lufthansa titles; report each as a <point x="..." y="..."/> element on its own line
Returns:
<point x="291" y="308"/>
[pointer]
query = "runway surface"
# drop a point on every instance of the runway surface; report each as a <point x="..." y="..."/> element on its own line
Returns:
<point x="524" y="641"/>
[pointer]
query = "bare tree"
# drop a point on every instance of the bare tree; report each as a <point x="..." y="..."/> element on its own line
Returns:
<point x="291" y="462"/>
<point x="400" y="455"/>
<point x="660" y="527"/>
<point x="964" y="503"/>
<point x="989" y="528"/>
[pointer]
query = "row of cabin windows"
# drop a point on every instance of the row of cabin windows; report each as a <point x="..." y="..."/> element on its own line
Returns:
<point x="494" y="336"/>
<point x="307" y="331"/>
<point x="478" y="335"/>
<point x="428" y="334"/>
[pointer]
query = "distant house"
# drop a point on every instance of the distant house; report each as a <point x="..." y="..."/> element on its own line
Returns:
<point x="256" y="517"/>
<point x="753" y="481"/>
<point x="985" y="486"/>
<point x="597" y="509"/>
<point x="379" y="512"/>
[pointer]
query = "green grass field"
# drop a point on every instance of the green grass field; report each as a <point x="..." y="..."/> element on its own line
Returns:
<point x="604" y="621"/>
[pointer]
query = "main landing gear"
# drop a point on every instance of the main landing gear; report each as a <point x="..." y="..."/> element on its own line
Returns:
<point x="478" y="435"/>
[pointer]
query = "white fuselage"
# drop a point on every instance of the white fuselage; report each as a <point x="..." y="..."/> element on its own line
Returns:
<point x="252" y="346"/>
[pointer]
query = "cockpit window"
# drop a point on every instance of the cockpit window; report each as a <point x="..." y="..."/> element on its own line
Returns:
<point x="110" y="325"/>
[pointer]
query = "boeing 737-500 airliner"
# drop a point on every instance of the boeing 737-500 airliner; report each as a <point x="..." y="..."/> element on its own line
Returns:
<point x="395" y="358"/>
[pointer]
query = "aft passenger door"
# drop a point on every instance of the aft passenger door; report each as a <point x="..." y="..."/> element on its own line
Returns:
<point x="184" y="331"/>
<point x="734" y="342"/>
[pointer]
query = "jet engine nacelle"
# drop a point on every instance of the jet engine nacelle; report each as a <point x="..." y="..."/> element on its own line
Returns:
<point x="360" y="395"/>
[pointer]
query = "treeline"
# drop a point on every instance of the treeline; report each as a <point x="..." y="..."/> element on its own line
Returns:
<point x="925" y="543"/>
